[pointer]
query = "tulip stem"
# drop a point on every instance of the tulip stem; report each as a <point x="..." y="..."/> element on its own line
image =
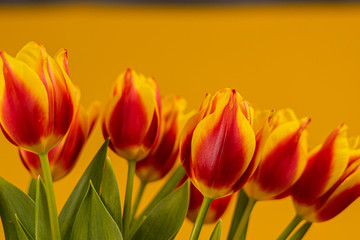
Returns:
<point x="292" y="225"/>
<point x="128" y="197"/>
<point x="300" y="233"/>
<point x="138" y="198"/>
<point x="200" y="218"/>
<point x="244" y="221"/>
<point x="50" y="196"/>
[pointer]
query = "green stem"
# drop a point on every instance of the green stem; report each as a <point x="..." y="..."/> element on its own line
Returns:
<point x="240" y="206"/>
<point x="200" y="218"/>
<point x="50" y="196"/>
<point x="128" y="196"/>
<point x="292" y="225"/>
<point x="138" y="198"/>
<point x="300" y="233"/>
<point x="243" y="225"/>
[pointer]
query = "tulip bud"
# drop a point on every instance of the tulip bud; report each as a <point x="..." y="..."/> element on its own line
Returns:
<point x="331" y="180"/>
<point x="217" y="144"/>
<point x="132" y="116"/>
<point x="63" y="156"/>
<point x="36" y="98"/>
<point x="216" y="209"/>
<point x="280" y="152"/>
<point x="162" y="157"/>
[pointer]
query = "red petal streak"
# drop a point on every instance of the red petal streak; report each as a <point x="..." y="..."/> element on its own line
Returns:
<point x="315" y="178"/>
<point x="339" y="203"/>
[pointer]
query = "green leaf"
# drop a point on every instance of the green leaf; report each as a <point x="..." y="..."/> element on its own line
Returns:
<point x="32" y="189"/>
<point x="216" y="234"/>
<point x="166" y="218"/>
<point x="109" y="193"/>
<point x="14" y="201"/>
<point x="300" y="233"/>
<point x="21" y="234"/>
<point x="42" y="217"/>
<point x="94" y="173"/>
<point x="168" y="187"/>
<point x="93" y="221"/>
<point x="240" y="206"/>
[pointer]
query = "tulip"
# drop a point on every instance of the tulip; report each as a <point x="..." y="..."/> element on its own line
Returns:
<point x="331" y="180"/>
<point x="63" y="156"/>
<point x="37" y="104"/>
<point x="36" y="98"/>
<point x="281" y="153"/>
<point x="216" y="148"/>
<point x="216" y="209"/>
<point x="132" y="121"/>
<point x="132" y="116"/>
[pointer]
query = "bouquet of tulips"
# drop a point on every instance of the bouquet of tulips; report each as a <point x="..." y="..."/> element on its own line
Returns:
<point x="226" y="148"/>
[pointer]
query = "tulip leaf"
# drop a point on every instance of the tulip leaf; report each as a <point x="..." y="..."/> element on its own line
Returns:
<point x="216" y="234"/>
<point x="14" y="201"/>
<point x="42" y="217"/>
<point x="21" y="233"/>
<point x="94" y="173"/>
<point x="93" y="221"/>
<point x="32" y="189"/>
<point x="240" y="206"/>
<point x="165" y="220"/>
<point x="109" y="193"/>
<point x="168" y="187"/>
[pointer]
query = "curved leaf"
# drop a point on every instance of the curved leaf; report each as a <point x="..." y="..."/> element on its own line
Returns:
<point x="93" y="221"/>
<point x="32" y="189"/>
<point x="94" y="173"/>
<point x="168" y="187"/>
<point x="109" y="193"/>
<point x="21" y="234"/>
<point x="166" y="218"/>
<point x="14" y="201"/>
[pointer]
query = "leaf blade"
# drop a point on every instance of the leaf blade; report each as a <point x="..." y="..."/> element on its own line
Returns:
<point x="94" y="173"/>
<point x="93" y="221"/>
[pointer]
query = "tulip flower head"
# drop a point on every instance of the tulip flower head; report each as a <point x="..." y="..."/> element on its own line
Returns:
<point x="217" y="144"/>
<point x="331" y="180"/>
<point x="162" y="157"/>
<point x="216" y="209"/>
<point x="37" y="98"/>
<point x="281" y="152"/>
<point x="132" y="116"/>
<point x="63" y="156"/>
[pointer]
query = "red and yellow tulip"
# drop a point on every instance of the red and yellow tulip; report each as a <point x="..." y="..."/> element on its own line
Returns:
<point x="331" y="180"/>
<point x="216" y="209"/>
<point x="63" y="156"/>
<point x="162" y="157"/>
<point x="217" y="144"/>
<point x="37" y="98"/>
<point x="281" y="153"/>
<point x="132" y="116"/>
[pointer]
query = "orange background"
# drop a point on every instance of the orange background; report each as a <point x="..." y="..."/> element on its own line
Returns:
<point x="304" y="57"/>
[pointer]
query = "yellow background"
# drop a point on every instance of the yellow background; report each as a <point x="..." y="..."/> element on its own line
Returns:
<point x="304" y="57"/>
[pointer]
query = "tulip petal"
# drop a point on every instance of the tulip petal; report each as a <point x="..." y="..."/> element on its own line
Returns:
<point x="283" y="160"/>
<point x="347" y="192"/>
<point x="24" y="123"/>
<point x="326" y="164"/>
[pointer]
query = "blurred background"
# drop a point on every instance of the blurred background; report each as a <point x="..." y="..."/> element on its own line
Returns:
<point x="276" y="54"/>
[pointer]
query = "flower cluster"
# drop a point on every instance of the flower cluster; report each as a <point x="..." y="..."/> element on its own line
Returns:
<point x="224" y="146"/>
